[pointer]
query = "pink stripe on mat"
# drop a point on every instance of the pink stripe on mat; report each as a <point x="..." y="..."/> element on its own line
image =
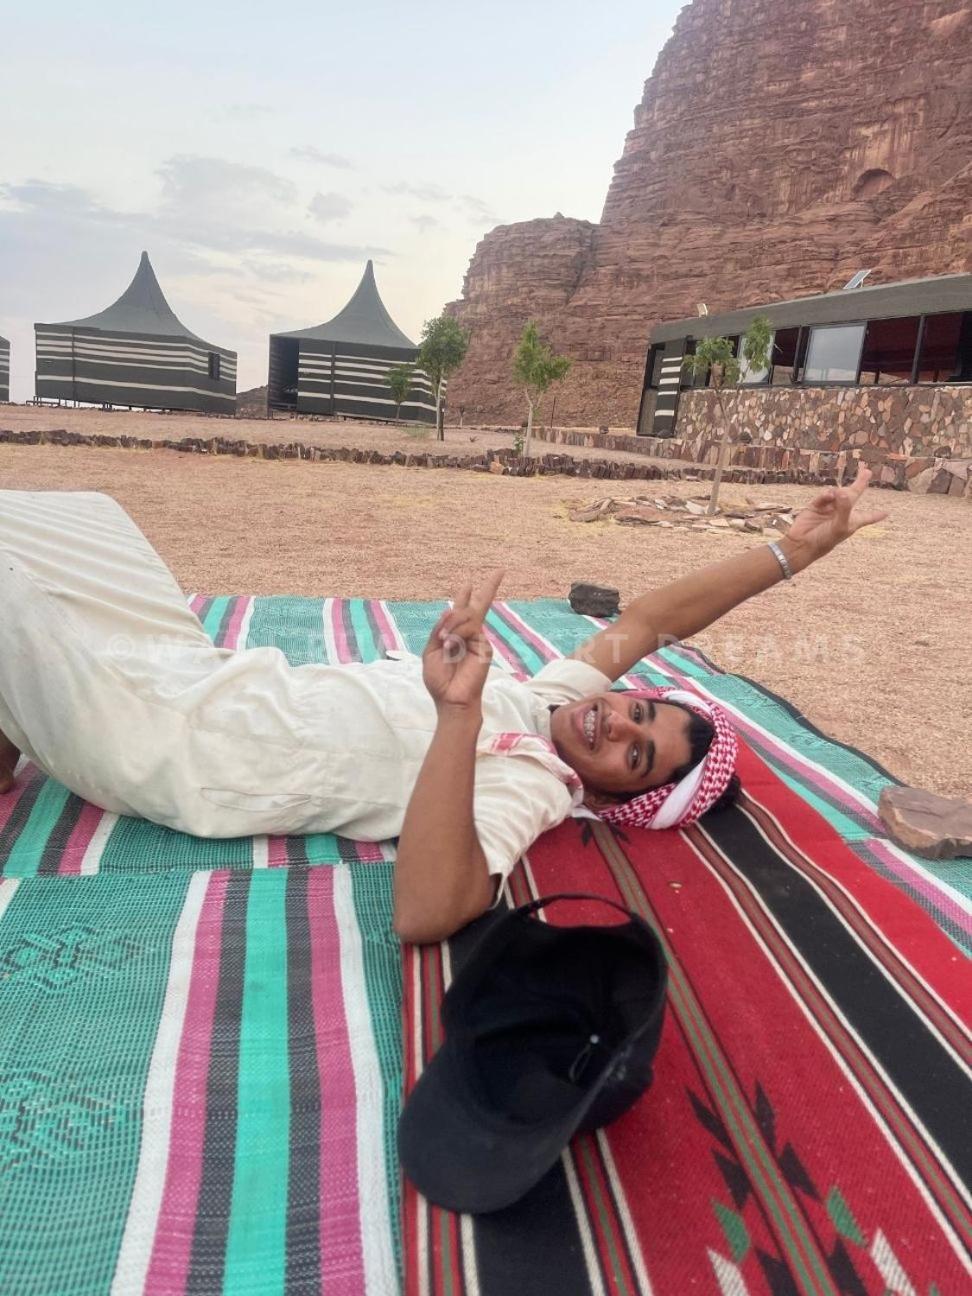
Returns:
<point x="196" y="603"/>
<point x="342" y="1262"/>
<point x="389" y="638"/>
<point x="277" y="852"/>
<point x="500" y="646"/>
<point x="232" y="637"/>
<point x="28" y="775"/>
<point x="337" y="624"/>
<point x="80" y="838"/>
<point x="172" y="1249"/>
<point x="906" y="872"/>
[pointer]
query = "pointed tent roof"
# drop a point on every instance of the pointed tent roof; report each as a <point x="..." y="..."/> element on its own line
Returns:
<point x="364" y="320"/>
<point x="141" y="308"/>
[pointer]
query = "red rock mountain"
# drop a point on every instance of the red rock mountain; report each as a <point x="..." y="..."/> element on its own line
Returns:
<point x="778" y="148"/>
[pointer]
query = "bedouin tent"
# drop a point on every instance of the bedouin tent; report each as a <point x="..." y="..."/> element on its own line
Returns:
<point x="4" y="369"/>
<point x="137" y="352"/>
<point x="341" y="367"/>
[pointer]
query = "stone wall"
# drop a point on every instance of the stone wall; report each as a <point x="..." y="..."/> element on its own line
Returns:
<point x="920" y="422"/>
<point x="918" y="438"/>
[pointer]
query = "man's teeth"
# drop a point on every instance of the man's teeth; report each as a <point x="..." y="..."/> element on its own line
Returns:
<point x="589" y="721"/>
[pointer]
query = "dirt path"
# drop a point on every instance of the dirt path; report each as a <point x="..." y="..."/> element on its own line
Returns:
<point x="872" y="643"/>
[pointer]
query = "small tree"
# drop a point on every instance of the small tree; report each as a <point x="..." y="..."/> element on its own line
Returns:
<point x="441" y="352"/>
<point x="535" y="369"/>
<point x="714" y="358"/>
<point x="399" y="382"/>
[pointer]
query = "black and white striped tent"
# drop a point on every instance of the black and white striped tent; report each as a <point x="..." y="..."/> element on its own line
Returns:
<point x="4" y="369"/>
<point x="135" y="353"/>
<point x="341" y="367"/>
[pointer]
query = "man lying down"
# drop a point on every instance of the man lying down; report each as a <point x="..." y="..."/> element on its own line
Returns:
<point x="110" y="685"/>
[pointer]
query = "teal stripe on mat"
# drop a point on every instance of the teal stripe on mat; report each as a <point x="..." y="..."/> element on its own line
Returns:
<point x="368" y="648"/>
<point x="294" y="625"/>
<point x="415" y="621"/>
<point x="213" y="618"/>
<point x="256" y="1246"/>
<point x="136" y="846"/>
<point x="83" y="969"/>
<point x="25" y="857"/>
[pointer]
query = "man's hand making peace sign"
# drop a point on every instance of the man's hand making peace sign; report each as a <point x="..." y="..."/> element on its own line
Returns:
<point x="456" y="659"/>
<point x="830" y="518"/>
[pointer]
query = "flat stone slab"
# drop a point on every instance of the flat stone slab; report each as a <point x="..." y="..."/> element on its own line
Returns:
<point x="932" y="826"/>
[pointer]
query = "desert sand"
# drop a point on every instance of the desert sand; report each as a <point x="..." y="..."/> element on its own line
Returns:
<point x="872" y="643"/>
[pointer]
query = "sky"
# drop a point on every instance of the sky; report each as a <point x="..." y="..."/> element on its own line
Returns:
<point x="261" y="154"/>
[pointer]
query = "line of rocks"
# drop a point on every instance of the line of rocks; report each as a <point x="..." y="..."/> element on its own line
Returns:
<point x="923" y="473"/>
<point x="503" y="462"/>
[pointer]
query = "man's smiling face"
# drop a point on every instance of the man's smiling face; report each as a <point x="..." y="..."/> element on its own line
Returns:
<point x="620" y="743"/>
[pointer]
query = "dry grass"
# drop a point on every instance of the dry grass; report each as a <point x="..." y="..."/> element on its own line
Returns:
<point x="872" y="643"/>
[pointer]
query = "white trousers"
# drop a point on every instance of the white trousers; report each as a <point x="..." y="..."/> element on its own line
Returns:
<point x="80" y="588"/>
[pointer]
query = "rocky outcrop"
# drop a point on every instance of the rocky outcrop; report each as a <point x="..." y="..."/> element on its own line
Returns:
<point x="776" y="150"/>
<point x="520" y="272"/>
<point x="252" y="403"/>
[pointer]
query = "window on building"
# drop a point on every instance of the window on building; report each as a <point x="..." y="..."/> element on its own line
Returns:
<point x="889" y="351"/>
<point x="688" y="379"/>
<point x="214" y="365"/>
<point x="834" y="354"/>
<point x="784" y="355"/>
<point x="946" y="348"/>
<point x="653" y="367"/>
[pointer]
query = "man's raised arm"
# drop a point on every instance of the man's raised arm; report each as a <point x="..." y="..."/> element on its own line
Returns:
<point x="693" y="602"/>
<point x="442" y="880"/>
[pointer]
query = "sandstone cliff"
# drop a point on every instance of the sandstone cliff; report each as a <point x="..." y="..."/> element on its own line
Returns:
<point x="807" y="139"/>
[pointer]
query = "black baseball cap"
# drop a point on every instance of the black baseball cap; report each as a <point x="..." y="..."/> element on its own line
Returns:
<point x="549" y="1031"/>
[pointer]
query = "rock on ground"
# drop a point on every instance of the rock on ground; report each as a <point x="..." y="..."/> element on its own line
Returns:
<point x="934" y="827"/>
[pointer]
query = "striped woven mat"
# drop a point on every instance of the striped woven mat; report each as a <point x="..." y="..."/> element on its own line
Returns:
<point x="201" y="1047"/>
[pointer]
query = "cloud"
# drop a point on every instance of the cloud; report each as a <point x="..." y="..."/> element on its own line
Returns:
<point x="314" y="249"/>
<point x="329" y="206"/>
<point x="477" y="210"/>
<point x="424" y="223"/>
<point x="206" y="204"/>
<point x="308" y="153"/>
<point x="204" y="189"/>
<point x="235" y="207"/>
<point x="473" y="209"/>
<point x="275" y="272"/>
<point x="428" y="193"/>
<point x="57" y="241"/>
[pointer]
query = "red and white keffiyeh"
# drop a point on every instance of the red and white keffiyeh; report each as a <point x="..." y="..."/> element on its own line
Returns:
<point x="676" y="805"/>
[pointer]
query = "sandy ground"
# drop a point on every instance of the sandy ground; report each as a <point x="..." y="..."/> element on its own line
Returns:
<point x="325" y="432"/>
<point x="872" y="643"/>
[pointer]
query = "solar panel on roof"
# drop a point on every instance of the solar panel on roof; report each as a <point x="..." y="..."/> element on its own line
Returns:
<point x="856" y="280"/>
